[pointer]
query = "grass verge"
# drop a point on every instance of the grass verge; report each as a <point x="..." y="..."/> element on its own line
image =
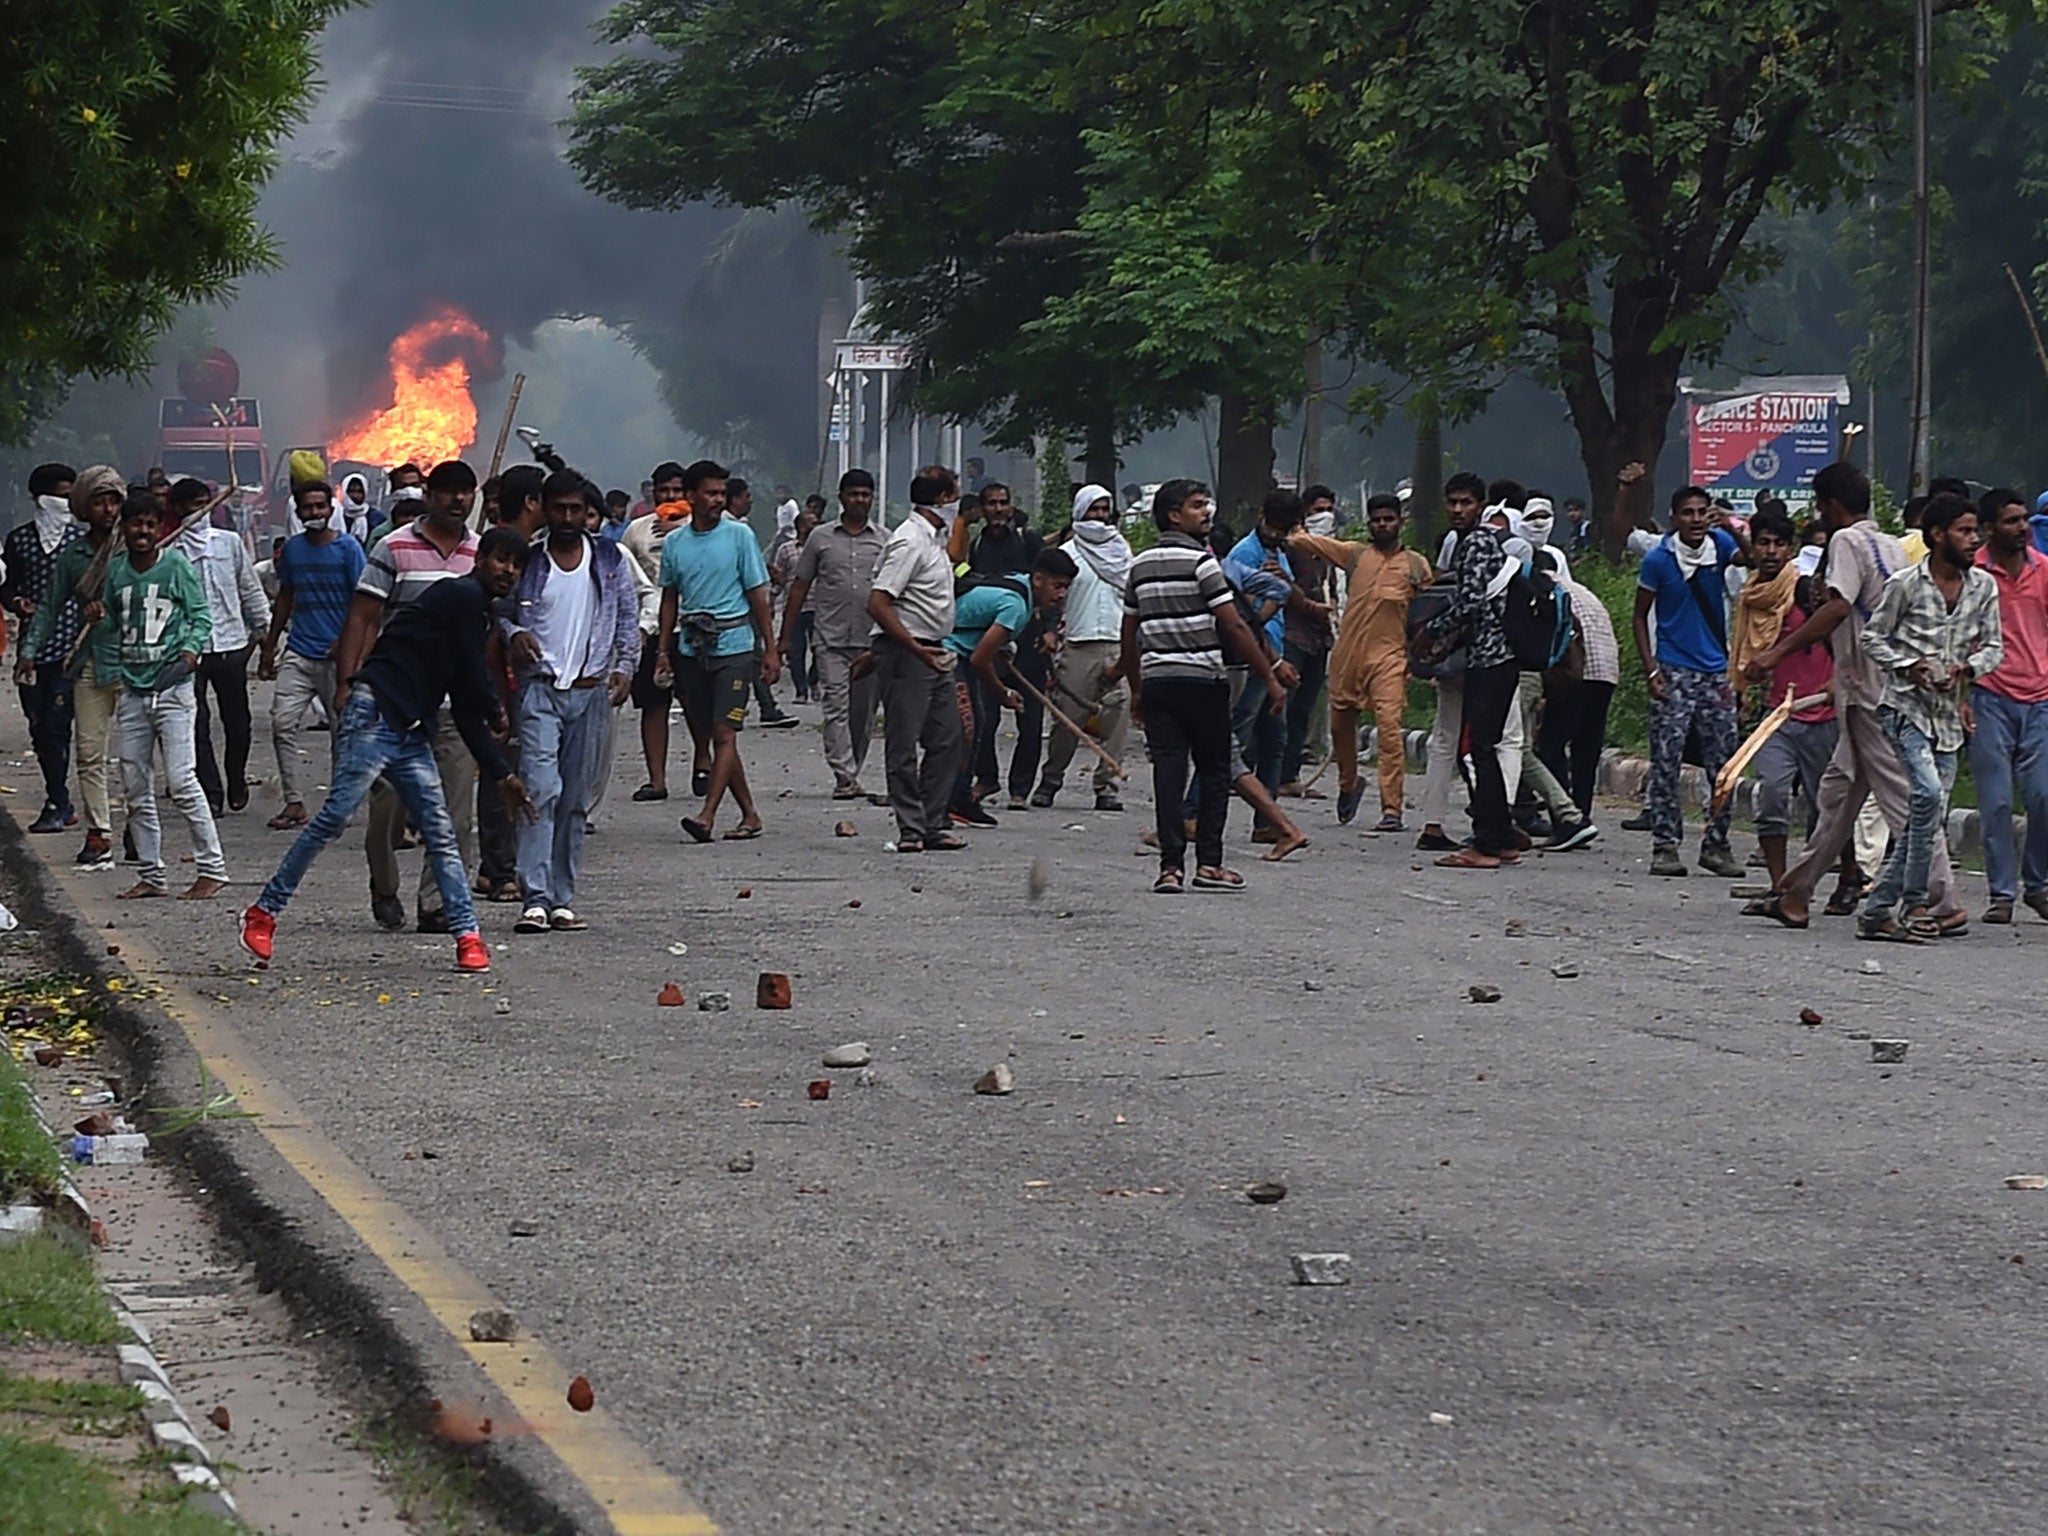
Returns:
<point x="48" y="1292"/>
<point x="46" y="1490"/>
<point x="29" y="1164"/>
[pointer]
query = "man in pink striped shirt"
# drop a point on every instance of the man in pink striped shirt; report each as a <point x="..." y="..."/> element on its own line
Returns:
<point x="2010" y="741"/>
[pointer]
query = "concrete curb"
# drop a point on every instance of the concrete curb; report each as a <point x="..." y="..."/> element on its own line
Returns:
<point x="170" y="1426"/>
<point x="277" y="1224"/>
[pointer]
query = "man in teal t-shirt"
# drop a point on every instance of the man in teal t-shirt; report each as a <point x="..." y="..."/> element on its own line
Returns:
<point x="159" y="612"/>
<point x="985" y="618"/>
<point x="717" y="635"/>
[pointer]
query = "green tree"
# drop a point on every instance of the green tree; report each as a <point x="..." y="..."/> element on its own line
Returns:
<point x="138" y="134"/>
<point x="952" y="149"/>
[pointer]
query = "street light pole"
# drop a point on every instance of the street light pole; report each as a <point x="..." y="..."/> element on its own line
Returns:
<point x="1920" y="447"/>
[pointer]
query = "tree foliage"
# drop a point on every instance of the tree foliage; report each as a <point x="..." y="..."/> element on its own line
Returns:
<point x="137" y="136"/>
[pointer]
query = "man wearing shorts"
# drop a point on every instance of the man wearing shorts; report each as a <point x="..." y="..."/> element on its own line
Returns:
<point x="716" y="636"/>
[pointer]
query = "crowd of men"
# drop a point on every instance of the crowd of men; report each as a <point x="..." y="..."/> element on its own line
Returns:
<point x="469" y="667"/>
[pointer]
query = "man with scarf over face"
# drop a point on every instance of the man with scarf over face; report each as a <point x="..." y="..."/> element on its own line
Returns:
<point x="1087" y="673"/>
<point x="31" y="555"/>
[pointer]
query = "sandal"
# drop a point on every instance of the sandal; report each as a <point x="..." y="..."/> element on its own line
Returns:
<point x="1169" y="883"/>
<point x="291" y="816"/>
<point x="743" y="834"/>
<point x="1889" y="930"/>
<point x="1773" y="907"/>
<point x="1215" y="878"/>
<point x="1843" y="903"/>
<point x="1955" y="926"/>
<point x="505" y="890"/>
<point x="1469" y="858"/>
<point x="648" y="792"/>
<point x="699" y="833"/>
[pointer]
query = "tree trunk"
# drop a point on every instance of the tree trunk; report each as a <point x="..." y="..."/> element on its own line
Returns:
<point x="1101" y="448"/>
<point x="1312" y="416"/>
<point x="1244" y="457"/>
<point x="1425" y="500"/>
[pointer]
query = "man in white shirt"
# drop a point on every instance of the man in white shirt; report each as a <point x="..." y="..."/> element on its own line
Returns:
<point x="911" y="602"/>
<point x="240" y="612"/>
<point x="574" y="639"/>
<point x="1087" y="681"/>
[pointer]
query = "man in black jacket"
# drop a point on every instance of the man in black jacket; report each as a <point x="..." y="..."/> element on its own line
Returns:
<point x="431" y="650"/>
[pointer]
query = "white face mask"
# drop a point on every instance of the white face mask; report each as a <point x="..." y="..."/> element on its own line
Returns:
<point x="1321" y="524"/>
<point x="1094" y="531"/>
<point x="947" y="513"/>
<point x="315" y="521"/>
<point x="56" y="506"/>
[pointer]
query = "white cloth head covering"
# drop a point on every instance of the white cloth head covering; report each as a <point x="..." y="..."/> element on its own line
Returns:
<point x="1098" y="544"/>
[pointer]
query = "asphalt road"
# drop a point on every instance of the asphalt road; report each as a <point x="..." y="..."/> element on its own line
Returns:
<point x="1665" y="1259"/>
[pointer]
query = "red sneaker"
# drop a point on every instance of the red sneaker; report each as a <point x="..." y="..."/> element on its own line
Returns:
<point x="472" y="954"/>
<point x="259" y="934"/>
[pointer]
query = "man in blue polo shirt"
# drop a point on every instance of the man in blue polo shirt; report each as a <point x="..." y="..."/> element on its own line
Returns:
<point x="316" y="572"/>
<point x="1685" y="579"/>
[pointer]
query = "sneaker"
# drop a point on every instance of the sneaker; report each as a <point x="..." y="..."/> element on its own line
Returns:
<point x="779" y="722"/>
<point x="431" y="922"/>
<point x="1042" y="798"/>
<point x="52" y="820"/>
<point x="1539" y="829"/>
<point x="1348" y="802"/>
<point x="98" y="852"/>
<point x="1434" y="841"/>
<point x="1999" y="912"/>
<point x="1108" y="800"/>
<point x="472" y="955"/>
<point x="2038" y="900"/>
<point x="973" y="816"/>
<point x="533" y="920"/>
<point x="562" y="920"/>
<point x="1570" y="835"/>
<point x="1719" y="859"/>
<point x="389" y="913"/>
<point x="1640" y="822"/>
<point x="1664" y="860"/>
<point x="259" y="934"/>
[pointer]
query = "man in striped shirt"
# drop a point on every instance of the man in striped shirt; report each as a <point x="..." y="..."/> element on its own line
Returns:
<point x="434" y="547"/>
<point x="1178" y="608"/>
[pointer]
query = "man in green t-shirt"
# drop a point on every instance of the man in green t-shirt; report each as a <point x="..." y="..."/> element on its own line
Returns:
<point x="159" y="612"/>
<point x="986" y="618"/>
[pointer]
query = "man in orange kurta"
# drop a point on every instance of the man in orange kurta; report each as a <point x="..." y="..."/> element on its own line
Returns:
<point x="1369" y="666"/>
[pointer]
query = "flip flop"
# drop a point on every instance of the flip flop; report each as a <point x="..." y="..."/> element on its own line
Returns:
<point x="1168" y="883"/>
<point x="1222" y="880"/>
<point x="1773" y="907"/>
<point x="1469" y="858"/>
<point x="699" y="833"/>
<point x="742" y="834"/>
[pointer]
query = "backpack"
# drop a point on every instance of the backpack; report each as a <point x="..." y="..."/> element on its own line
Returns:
<point x="1428" y="657"/>
<point x="1537" y="614"/>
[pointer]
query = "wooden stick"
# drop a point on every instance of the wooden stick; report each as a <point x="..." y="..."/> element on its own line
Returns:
<point x="1731" y="771"/>
<point x="505" y="427"/>
<point x="2027" y="309"/>
<point x="1082" y="736"/>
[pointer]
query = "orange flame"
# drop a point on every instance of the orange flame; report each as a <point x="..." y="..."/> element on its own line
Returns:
<point x="432" y="415"/>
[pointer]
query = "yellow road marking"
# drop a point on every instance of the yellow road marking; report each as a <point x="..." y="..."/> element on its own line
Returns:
<point x="640" y="1498"/>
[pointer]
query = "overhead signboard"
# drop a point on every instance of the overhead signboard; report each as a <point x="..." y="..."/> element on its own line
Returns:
<point x="874" y="356"/>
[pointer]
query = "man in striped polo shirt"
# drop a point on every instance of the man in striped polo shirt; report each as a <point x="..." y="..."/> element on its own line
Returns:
<point x="436" y="546"/>
<point x="1178" y="609"/>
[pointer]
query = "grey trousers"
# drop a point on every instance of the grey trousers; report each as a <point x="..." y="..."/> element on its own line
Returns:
<point x="1536" y="774"/>
<point x="387" y="818"/>
<point x="1865" y="766"/>
<point x="1080" y="692"/>
<point x="301" y="682"/>
<point x="920" y="712"/>
<point x="849" y="710"/>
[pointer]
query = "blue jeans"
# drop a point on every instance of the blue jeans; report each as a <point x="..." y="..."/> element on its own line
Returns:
<point x="1929" y="776"/>
<point x="2011" y="743"/>
<point x="559" y="732"/>
<point x="369" y="746"/>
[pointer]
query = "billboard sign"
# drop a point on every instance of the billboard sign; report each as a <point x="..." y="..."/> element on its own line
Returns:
<point x="1764" y="436"/>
